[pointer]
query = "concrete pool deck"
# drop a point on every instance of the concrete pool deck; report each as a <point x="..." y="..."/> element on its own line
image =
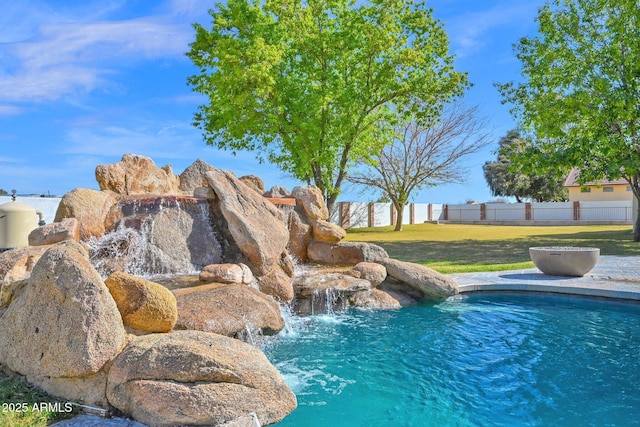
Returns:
<point x="612" y="277"/>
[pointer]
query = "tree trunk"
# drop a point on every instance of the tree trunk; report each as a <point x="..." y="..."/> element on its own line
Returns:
<point x="399" y="215"/>
<point x="636" y="226"/>
<point x="331" y="204"/>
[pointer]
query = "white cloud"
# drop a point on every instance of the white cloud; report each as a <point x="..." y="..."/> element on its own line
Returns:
<point x="470" y="32"/>
<point x="66" y="57"/>
<point x="10" y="110"/>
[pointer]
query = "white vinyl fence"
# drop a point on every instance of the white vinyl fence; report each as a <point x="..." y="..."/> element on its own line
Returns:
<point x="359" y="214"/>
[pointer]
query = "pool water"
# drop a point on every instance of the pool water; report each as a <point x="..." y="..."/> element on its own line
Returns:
<point x="483" y="360"/>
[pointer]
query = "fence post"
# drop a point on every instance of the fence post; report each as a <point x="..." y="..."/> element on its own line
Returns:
<point x="393" y="214"/>
<point x="483" y="211"/>
<point x="345" y="215"/>
<point x="429" y="212"/>
<point x="412" y="213"/>
<point x="527" y="211"/>
<point x="371" y="215"/>
<point x="445" y="212"/>
<point x="576" y="211"/>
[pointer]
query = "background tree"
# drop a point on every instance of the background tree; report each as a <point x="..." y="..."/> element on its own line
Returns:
<point x="506" y="178"/>
<point x="421" y="157"/>
<point x="307" y="84"/>
<point x="3" y="192"/>
<point x="581" y="89"/>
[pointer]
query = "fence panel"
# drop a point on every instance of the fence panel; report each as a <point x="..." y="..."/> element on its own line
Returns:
<point x="606" y="211"/>
<point x="437" y="212"/>
<point x="464" y="213"/>
<point x="552" y="211"/>
<point x="505" y="212"/>
<point x="381" y="214"/>
<point x="421" y="212"/>
<point x="359" y="215"/>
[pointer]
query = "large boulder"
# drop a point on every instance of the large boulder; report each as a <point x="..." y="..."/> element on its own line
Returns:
<point x="18" y="262"/>
<point x="256" y="225"/>
<point x="371" y="271"/>
<point x="300" y="234"/>
<point x="194" y="177"/>
<point x="374" y="299"/>
<point x="144" y="305"/>
<point x="226" y="273"/>
<point x="311" y="200"/>
<point x="345" y="252"/>
<point x="278" y="192"/>
<point x="136" y="174"/>
<point x="253" y="182"/>
<point x="321" y="293"/>
<point x="232" y="310"/>
<point x="56" y="232"/>
<point x="427" y="282"/>
<point x="276" y="283"/>
<point x="89" y="207"/>
<point x="196" y="378"/>
<point x="64" y="323"/>
<point x="325" y="231"/>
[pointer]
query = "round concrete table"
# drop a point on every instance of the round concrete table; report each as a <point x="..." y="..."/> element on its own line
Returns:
<point x="564" y="260"/>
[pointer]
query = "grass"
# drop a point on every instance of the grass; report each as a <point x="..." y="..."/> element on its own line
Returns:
<point x="462" y="248"/>
<point x="21" y="404"/>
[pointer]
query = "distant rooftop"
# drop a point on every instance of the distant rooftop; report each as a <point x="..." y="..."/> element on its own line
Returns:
<point x="572" y="180"/>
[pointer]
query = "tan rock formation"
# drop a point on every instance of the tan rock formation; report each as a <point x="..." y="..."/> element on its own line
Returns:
<point x="312" y="202"/>
<point x="429" y="283"/>
<point x="345" y="252"/>
<point x="196" y="378"/>
<point x="324" y="231"/>
<point x="194" y="177"/>
<point x="64" y="323"/>
<point x="253" y="182"/>
<point x="374" y="299"/>
<point x="144" y="305"/>
<point x="276" y="283"/>
<point x="230" y="310"/>
<point x="89" y="207"/>
<point x="56" y="232"/>
<point x="226" y="273"/>
<point x="371" y="271"/>
<point x="136" y="174"/>
<point x="255" y="224"/>
<point x="300" y="234"/>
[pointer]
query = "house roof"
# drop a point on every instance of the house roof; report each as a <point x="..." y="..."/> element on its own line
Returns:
<point x="572" y="180"/>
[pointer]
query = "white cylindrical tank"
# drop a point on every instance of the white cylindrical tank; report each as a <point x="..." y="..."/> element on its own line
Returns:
<point x="17" y="220"/>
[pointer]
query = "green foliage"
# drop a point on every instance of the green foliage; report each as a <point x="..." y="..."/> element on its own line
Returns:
<point x="581" y="89"/>
<point x="309" y="85"/>
<point x="3" y="192"/>
<point x="25" y="405"/>
<point x="513" y="175"/>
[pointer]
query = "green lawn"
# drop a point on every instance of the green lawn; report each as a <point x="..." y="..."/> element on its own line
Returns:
<point x="457" y="248"/>
<point x="25" y="405"/>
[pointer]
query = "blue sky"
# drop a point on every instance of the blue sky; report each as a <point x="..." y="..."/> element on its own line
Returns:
<point x="84" y="82"/>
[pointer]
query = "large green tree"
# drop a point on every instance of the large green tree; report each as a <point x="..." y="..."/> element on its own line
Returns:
<point x="309" y="84"/>
<point x="580" y="92"/>
<point x="509" y="175"/>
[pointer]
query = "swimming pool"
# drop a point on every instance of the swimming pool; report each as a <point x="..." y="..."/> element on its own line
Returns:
<point x="477" y="360"/>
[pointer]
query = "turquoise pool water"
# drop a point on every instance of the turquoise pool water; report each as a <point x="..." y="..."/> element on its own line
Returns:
<point x="485" y="360"/>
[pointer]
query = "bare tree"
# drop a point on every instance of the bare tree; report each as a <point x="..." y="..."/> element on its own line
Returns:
<point x="421" y="157"/>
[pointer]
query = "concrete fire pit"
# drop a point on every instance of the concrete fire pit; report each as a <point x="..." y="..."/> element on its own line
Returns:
<point x="564" y="260"/>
